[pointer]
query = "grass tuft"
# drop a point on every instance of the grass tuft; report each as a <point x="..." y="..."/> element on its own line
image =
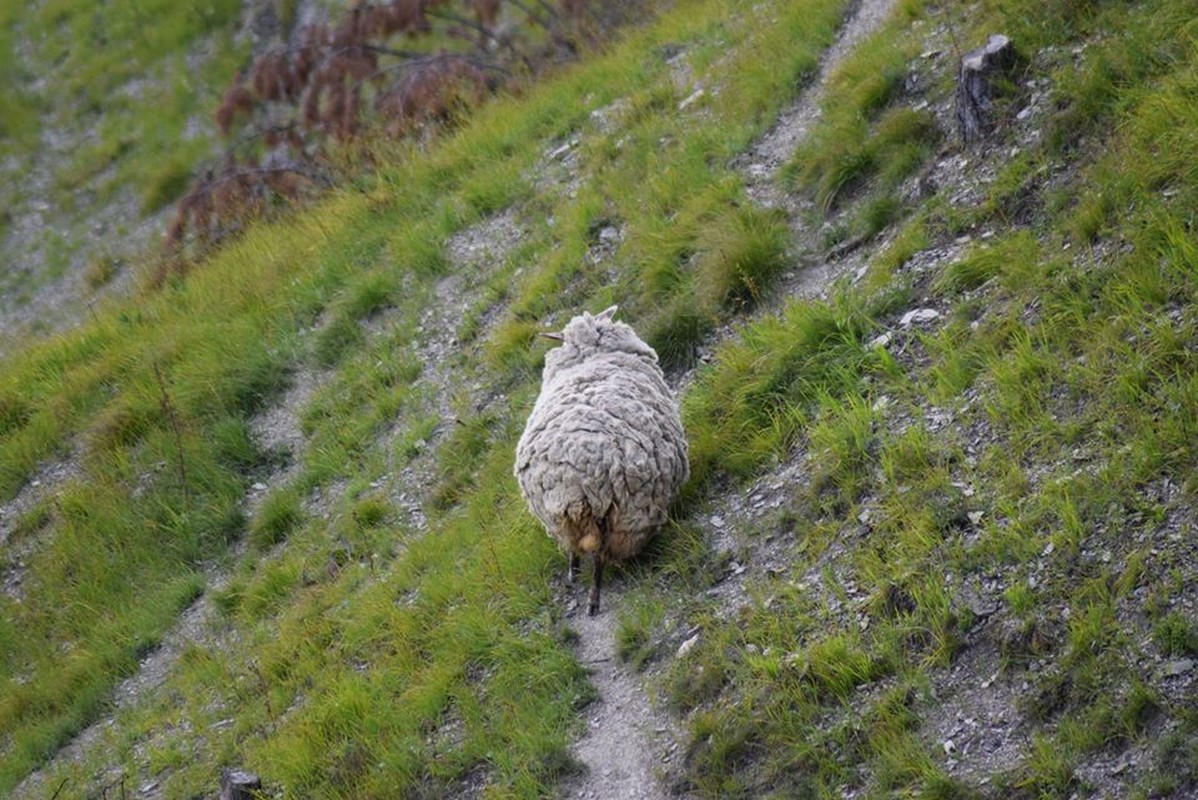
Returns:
<point x="279" y="515"/>
<point x="740" y="256"/>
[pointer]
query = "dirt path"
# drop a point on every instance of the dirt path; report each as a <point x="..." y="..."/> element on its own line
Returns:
<point x="626" y="738"/>
<point x="628" y="742"/>
<point x="762" y="162"/>
<point x="766" y="157"/>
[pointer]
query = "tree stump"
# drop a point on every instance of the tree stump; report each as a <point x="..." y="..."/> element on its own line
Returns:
<point x="238" y="785"/>
<point x="975" y="86"/>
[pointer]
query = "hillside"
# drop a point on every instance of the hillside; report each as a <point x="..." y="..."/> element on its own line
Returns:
<point x="942" y="404"/>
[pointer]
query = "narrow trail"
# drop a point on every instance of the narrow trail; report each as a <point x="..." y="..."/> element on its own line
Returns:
<point x="47" y="482"/>
<point x="771" y="151"/>
<point x="628" y="742"/>
<point x="762" y="162"/>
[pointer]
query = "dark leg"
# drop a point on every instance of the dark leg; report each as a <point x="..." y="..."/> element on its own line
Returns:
<point x="572" y="573"/>
<point x="593" y="606"/>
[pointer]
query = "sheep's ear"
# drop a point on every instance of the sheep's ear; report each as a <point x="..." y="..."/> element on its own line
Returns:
<point x="609" y="314"/>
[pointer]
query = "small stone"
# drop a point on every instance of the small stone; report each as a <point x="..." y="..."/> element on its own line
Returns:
<point x="236" y="784"/>
<point x="717" y="521"/>
<point x="688" y="645"/>
<point x="882" y="339"/>
<point x="694" y="97"/>
<point x="949" y="746"/>
<point x="1179" y="667"/>
<point x="919" y="315"/>
<point x="975" y="517"/>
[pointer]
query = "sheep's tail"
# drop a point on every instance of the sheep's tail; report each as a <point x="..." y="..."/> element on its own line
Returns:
<point x="589" y="533"/>
<point x="591" y="539"/>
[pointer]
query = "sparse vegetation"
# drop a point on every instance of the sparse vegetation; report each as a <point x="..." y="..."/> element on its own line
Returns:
<point x="104" y="116"/>
<point x="993" y="496"/>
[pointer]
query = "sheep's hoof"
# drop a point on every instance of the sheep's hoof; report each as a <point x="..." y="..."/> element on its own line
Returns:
<point x="592" y="608"/>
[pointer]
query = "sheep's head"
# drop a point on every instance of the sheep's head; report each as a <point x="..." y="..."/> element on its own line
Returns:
<point x="588" y="335"/>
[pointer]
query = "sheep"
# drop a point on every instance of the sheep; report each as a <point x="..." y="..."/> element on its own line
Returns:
<point x="603" y="455"/>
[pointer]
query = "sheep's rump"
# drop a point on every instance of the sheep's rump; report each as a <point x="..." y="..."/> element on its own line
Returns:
<point x="603" y="448"/>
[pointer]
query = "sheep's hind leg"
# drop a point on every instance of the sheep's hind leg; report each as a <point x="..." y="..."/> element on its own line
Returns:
<point x="575" y="566"/>
<point x="593" y="605"/>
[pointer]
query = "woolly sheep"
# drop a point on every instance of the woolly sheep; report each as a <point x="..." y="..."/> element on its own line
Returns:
<point x="603" y="454"/>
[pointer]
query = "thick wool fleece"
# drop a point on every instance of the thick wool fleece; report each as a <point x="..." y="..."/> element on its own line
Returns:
<point x="603" y="455"/>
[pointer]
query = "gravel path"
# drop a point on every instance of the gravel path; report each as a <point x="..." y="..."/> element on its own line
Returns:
<point x="627" y="741"/>
<point x="626" y="738"/>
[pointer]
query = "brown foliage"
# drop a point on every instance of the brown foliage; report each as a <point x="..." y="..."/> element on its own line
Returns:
<point x="335" y="79"/>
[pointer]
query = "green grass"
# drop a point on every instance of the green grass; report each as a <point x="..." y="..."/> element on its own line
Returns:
<point x="1076" y="375"/>
<point x="738" y="258"/>
<point x="863" y="137"/>
<point x="376" y="658"/>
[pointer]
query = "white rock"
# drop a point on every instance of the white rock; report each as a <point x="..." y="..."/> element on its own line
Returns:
<point x="688" y="645"/>
<point x="919" y="315"/>
<point x="1179" y="667"/>
<point x="694" y="97"/>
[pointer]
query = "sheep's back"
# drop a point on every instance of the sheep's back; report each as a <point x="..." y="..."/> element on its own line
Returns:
<point x="604" y="435"/>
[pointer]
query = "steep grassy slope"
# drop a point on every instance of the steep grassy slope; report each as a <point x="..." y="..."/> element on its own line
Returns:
<point x="984" y="516"/>
<point x="104" y="112"/>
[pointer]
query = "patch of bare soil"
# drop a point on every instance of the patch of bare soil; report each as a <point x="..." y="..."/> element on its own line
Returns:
<point x="774" y="149"/>
<point x="43" y="485"/>
<point x="627" y="742"/>
<point x="475" y="254"/>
